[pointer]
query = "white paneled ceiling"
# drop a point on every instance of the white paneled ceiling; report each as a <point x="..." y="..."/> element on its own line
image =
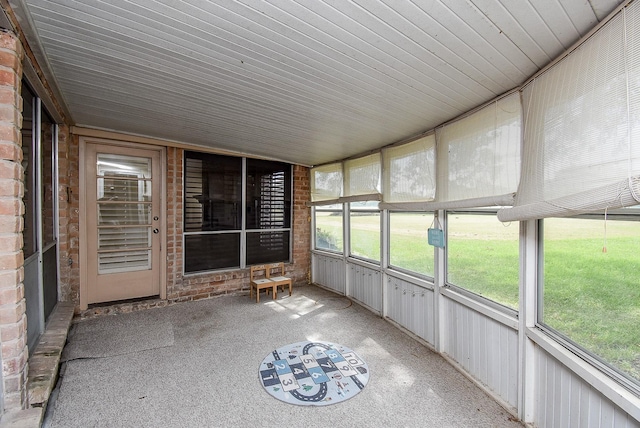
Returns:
<point x="307" y="81"/>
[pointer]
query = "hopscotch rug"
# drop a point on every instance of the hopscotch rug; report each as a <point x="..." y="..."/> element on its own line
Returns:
<point x="313" y="373"/>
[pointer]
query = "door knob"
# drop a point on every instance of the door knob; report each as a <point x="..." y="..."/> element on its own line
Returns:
<point x="156" y="231"/>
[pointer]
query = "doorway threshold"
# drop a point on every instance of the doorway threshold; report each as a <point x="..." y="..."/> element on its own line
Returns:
<point x="121" y="307"/>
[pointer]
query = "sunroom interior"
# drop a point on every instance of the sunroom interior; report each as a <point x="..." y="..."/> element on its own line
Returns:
<point x="465" y="170"/>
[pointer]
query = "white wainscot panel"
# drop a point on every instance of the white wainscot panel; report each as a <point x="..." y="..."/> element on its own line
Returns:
<point x="329" y="272"/>
<point x="566" y="400"/>
<point x="484" y="348"/>
<point x="412" y="307"/>
<point x="365" y="285"/>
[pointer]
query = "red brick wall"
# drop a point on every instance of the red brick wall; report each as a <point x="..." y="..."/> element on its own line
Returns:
<point x="68" y="209"/>
<point x="13" y="327"/>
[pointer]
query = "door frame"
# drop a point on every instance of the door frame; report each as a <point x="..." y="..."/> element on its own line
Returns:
<point x="83" y="210"/>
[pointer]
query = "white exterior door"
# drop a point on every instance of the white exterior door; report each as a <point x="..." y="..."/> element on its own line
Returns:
<point x="123" y="223"/>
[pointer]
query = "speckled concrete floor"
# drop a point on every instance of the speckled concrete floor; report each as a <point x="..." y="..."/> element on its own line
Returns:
<point x="196" y="365"/>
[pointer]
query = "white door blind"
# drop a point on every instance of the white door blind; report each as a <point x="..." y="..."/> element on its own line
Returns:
<point x="478" y="157"/>
<point x="326" y="183"/>
<point x="409" y="173"/>
<point x="124" y="213"/>
<point x="362" y="178"/>
<point x="581" y="118"/>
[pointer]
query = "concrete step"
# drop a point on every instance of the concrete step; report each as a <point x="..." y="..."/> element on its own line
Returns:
<point x="44" y="362"/>
<point x="29" y="418"/>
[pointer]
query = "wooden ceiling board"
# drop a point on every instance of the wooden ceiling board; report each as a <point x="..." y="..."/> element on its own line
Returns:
<point x="305" y="82"/>
<point x="521" y="23"/>
<point x="449" y="48"/>
<point x="104" y="49"/>
<point x="355" y="45"/>
<point x="165" y="116"/>
<point x="167" y="74"/>
<point x="481" y="35"/>
<point x="198" y="105"/>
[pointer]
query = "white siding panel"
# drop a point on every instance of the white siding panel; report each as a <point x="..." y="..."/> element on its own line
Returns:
<point x="412" y="307"/>
<point x="424" y="315"/>
<point x="365" y="285"/>
<point x="566" y="400"/>
<point x="483" y="347"/>
<point x="329" y="272"/>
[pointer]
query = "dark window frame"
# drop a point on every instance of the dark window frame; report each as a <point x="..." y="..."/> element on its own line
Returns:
<point x="251" y="199"/>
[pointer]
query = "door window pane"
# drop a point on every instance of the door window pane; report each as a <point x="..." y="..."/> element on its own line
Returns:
<point x="123" y="214"/>
<point x="121" y="180"/>
<point x="124" y="261"/>
<point x="124" y="189"/>
<point x="123" y="238"/>
<point x="122" y="165"/>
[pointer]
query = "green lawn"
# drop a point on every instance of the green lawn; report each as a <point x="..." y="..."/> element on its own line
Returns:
<point x="590" y="296"/>
<point x="483" y="257"/>
<point x="409" y="244"/>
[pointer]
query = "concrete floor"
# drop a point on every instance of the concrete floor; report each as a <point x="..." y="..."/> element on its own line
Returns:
<point x="196" y="365"/>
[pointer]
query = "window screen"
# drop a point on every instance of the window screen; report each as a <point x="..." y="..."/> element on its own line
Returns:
<point x="213" y="192"/>
<point x="268" y="208"/>
<point x="268" y="195"/>
<point x="221" y="225"/>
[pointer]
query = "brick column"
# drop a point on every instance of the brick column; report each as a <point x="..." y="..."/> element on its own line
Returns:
<point x="174" y="221"/>
<point x="68" y="211"/>
<point x="13" y="319"/>
<point x="301" y="224"/>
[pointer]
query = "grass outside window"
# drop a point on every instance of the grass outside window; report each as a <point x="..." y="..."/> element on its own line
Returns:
<point x="364" y="220"/>
<point x="409" y="248"/>
<point x="483" y="256"/>
<point x="591" y="296"/>
<point x="329" y="230"/>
